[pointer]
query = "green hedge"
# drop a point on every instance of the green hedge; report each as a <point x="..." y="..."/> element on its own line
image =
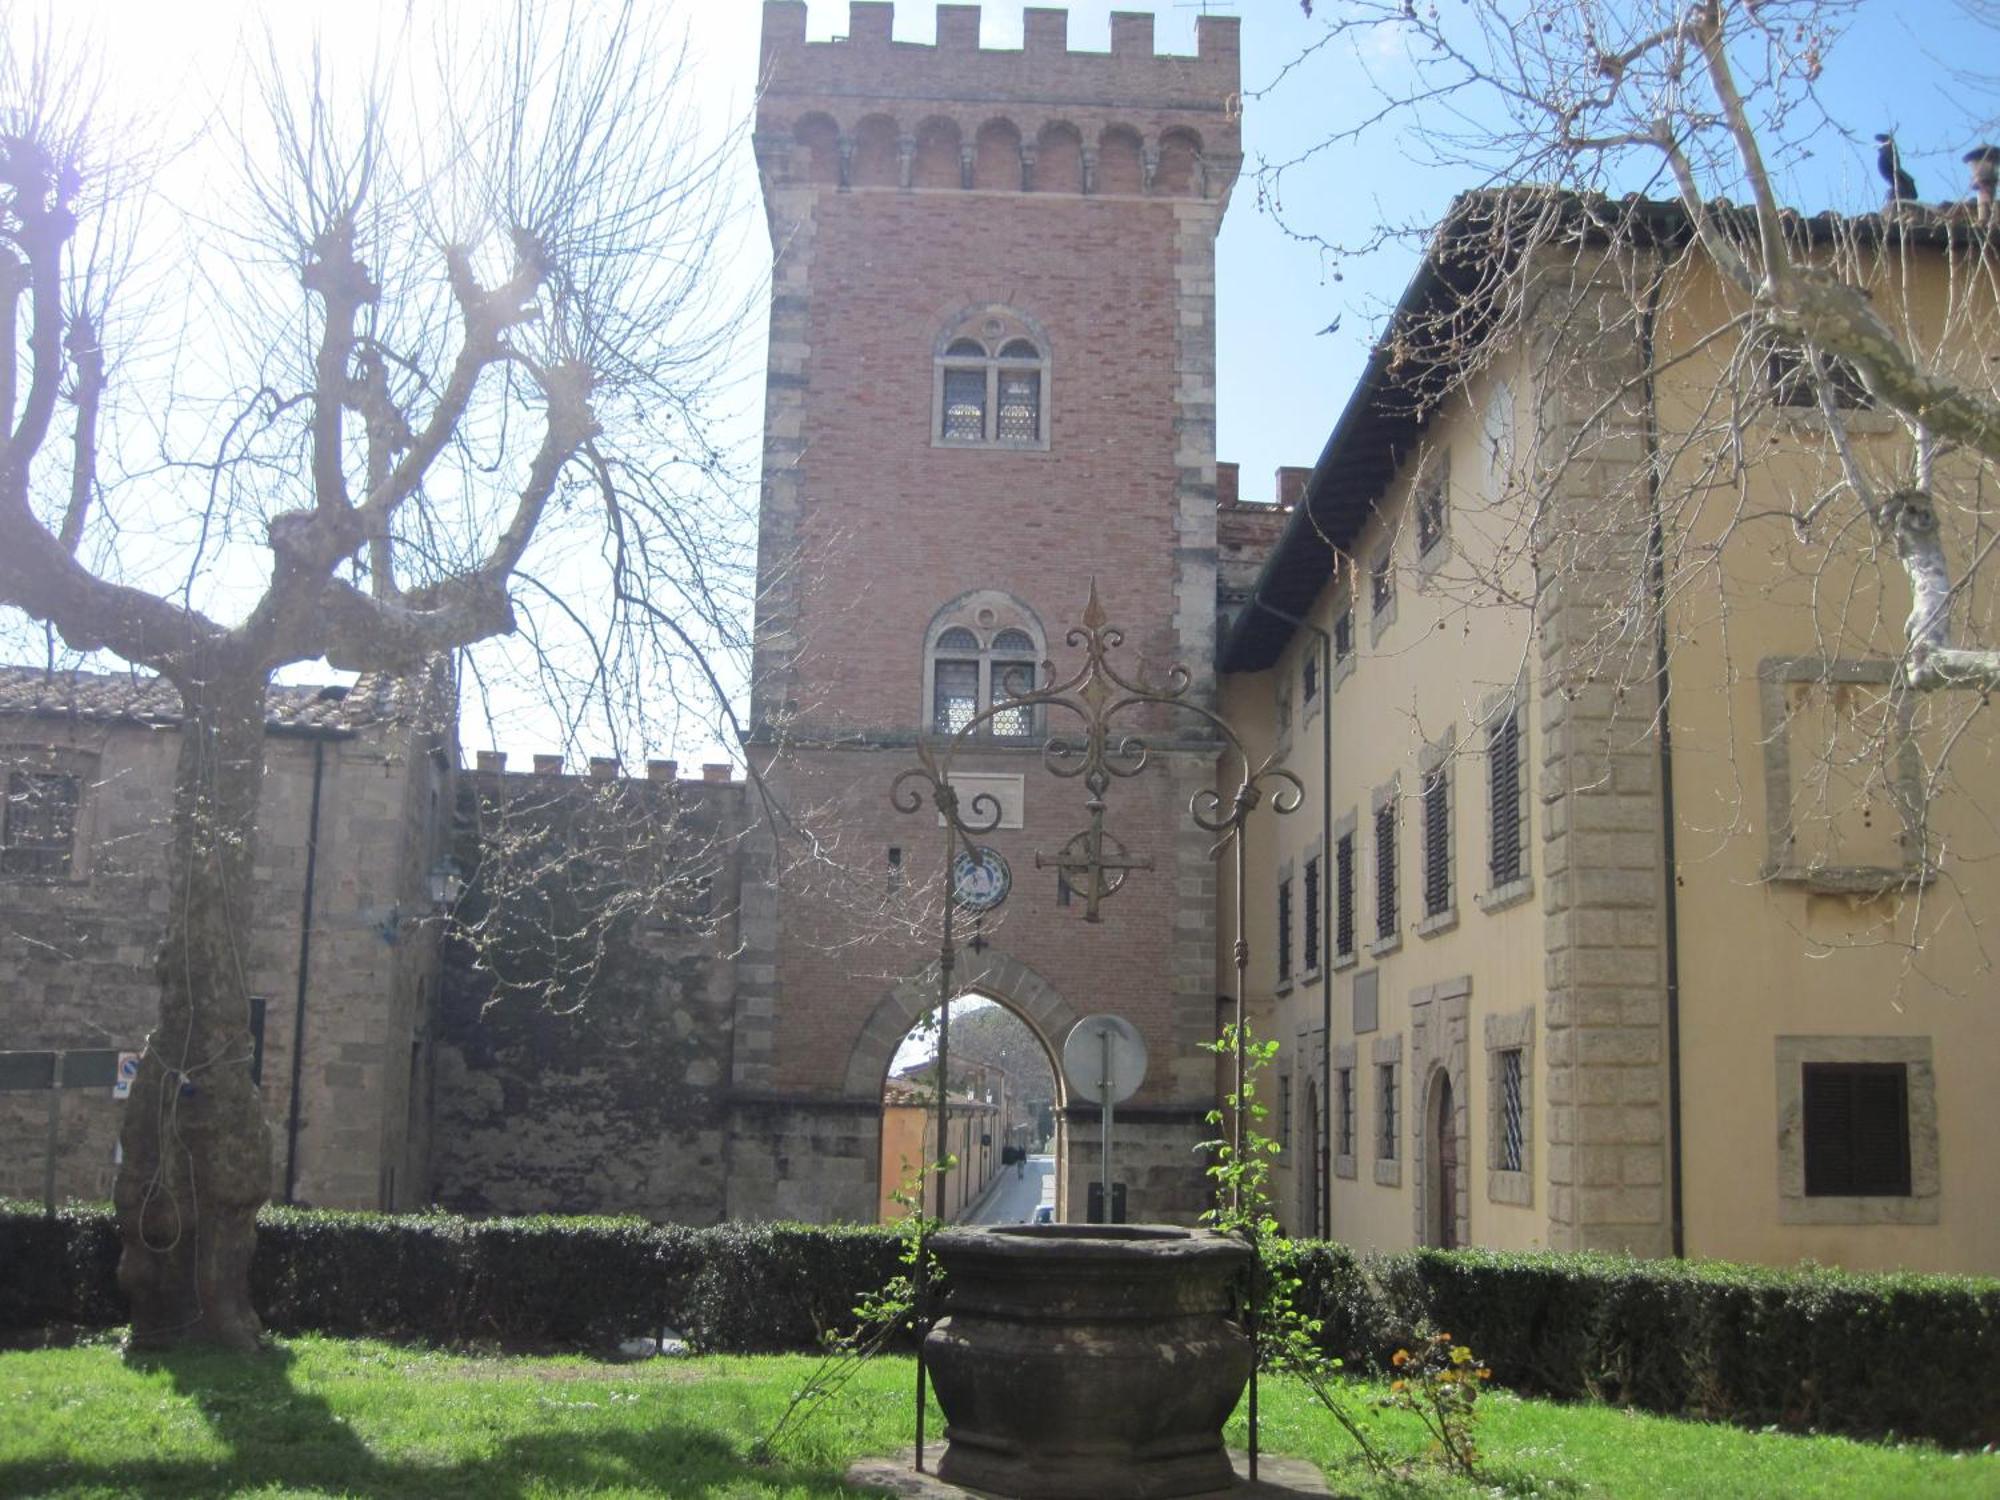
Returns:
<point x="541" y="1282"/>
<point x="1804" y="1347"/>
<point x="1799" y="1347"/>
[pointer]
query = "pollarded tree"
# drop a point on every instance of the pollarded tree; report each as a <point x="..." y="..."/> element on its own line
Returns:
<point x="450" y="325"/>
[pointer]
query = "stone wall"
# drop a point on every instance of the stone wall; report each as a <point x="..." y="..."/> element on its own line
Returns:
<point x="586" y="1020"/>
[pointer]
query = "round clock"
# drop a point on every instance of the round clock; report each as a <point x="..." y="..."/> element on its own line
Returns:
<point x="980" y="878"/>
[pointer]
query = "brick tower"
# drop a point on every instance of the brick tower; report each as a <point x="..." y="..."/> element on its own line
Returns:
<point x="991" y="381"/>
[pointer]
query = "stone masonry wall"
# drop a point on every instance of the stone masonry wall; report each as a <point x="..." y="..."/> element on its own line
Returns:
<point x="585" y="1024"/>
<point x="1599" y="783"/>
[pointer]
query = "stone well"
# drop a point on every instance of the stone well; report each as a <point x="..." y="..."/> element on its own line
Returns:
<point x="1088" y="1361"/>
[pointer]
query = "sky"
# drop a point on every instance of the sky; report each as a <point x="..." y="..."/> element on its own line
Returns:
<point x="1281" y="381"/>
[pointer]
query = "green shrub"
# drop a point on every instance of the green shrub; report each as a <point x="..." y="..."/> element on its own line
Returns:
<point x="1803" y="1347"/>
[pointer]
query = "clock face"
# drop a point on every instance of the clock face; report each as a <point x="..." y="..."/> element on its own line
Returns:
<point x="980" y="878"/>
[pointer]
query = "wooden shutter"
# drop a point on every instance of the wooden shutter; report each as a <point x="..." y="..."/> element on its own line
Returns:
<point x="1311" y="915"/>
<point x="1344" y="894"/>
<point x="1857" y="1130"/>
<point x="1503" y="761"/>
<point x="1437" y="843"/>
<point x="1385" y="870"/>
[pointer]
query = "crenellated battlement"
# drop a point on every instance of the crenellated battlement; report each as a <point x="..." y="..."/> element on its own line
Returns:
<point x="867" y="111"/>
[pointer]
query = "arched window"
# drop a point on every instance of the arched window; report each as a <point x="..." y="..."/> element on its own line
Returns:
<point x="992" y="384"/>
<point x="985" y="650"/>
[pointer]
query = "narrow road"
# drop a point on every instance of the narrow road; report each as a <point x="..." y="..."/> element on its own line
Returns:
<point x="1015" y="1199"/>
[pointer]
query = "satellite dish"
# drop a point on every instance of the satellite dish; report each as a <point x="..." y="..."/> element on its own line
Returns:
<point x="1104" y="1059"/>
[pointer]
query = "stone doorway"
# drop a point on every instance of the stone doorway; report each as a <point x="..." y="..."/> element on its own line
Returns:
<point x="1442" y="1125"/>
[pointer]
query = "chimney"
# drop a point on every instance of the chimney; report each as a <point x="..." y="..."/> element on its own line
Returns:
<point x="548" y="765"/>
<point x="1218" y="38"/>
<point x="1226" y="480"/>
<point x="1292" y="485"/>
<point x="603" y="768"/>
<point x="715" y="771"/>
<point x="662" y="770"/>
<point x="493" y="760"/>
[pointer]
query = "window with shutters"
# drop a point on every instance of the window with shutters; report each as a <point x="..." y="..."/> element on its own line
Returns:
<point x="1381" y="593"/>
<point x="38" y="828"/>
<point x="1388" y="929"/>
<point x="1284" y="930"/>
<point x="1343" y="642"/>
<point x="1506" y="844"/>
<point x="1309" y="682"/>
<point x="1857" y="1129"/>
<point x="1343" y="893"/>
<point x="984" y="653"/>
<point x="1309" y="952"/>
<point x="1791" y="376"/>
<point x="1343" y="1113"/>
<point x="1284" y="1111"/>
<point x="1433" y="507"/>
<point x="992" y="383"/>
<point x="1434" y="801"/>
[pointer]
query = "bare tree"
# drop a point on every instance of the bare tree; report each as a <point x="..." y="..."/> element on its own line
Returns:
<point x="1625" y="165"/>
<point x="447" y="387"/>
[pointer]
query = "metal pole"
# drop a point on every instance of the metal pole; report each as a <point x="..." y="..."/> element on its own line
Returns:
<point x="945" y="963"/>
<point x="1104" y="1094"/>
<point x="55" y="1137"/>
<point x="1236" y="1132"/>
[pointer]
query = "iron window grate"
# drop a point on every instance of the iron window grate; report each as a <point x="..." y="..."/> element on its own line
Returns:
<point x="1510" y="1110"/>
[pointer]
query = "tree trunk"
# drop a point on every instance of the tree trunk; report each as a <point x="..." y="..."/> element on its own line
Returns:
<point x="196" y="1150"/>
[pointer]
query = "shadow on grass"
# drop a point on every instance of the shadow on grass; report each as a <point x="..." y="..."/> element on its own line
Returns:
<point x="279" y="1434"/>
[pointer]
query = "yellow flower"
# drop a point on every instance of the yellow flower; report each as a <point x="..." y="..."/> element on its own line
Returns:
<point x="1400" y="1358"/>
<point x="1484" y="1373"/>
<point x="1397" y="1385"/>
<point x="1461" y="1355"/>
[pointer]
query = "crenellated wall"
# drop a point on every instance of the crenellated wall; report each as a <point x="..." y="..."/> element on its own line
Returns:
<point x="867" y="112"/>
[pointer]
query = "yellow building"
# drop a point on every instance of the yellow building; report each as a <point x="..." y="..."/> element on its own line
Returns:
<point x="1633" y="904"/>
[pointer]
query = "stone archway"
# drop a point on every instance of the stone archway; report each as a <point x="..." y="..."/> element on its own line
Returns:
<point x="994" y="976"/>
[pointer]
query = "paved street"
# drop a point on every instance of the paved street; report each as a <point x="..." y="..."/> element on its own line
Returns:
<point x="1015" y="1199"/>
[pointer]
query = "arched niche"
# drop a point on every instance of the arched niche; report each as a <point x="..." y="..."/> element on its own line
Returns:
<point x="875" y="155"/>
<point x="1059" y="159"/>
<point x="937" y="159"/>
<point x="1179" y="173"/>
<point x="996" y="162"/>
<point x="820" y="138"/>
<point x="1118" y="162"/>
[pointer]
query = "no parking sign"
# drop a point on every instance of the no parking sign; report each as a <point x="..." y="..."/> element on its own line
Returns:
<point x="128" y="1069"/>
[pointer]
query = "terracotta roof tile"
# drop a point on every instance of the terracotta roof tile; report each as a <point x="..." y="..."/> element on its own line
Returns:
<point x="113" y="697"/>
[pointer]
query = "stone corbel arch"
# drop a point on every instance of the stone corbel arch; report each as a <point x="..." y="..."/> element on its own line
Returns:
<point x="994" y="975"/>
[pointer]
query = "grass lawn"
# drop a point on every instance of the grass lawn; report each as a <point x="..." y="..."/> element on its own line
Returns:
<point x="333" y="1417"/>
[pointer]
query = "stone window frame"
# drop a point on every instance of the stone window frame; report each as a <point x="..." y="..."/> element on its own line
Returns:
<point x="1284" y="925"/>
<point x="80" y="765"/>
<point x="993" y="327"/>
<point x="1386" y="795"/>
<point x="1387" y="1052"/>
<point x="1914" y="1052"/>
<point x="1348" y="826"/>
<point x="1381" y="610"/>
<point x="1774" y="674"/>
<point x="986" y="614"/>
<point x="1432" y="481"/>
<point x="1342" y="666"/>
<point x="1344" y="1110"/>
<point x="1509" y="700"/>
<point x="1436" y="759"/>
<point x="1440" y="1030"/>
<point x="1510" y="1031"/>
